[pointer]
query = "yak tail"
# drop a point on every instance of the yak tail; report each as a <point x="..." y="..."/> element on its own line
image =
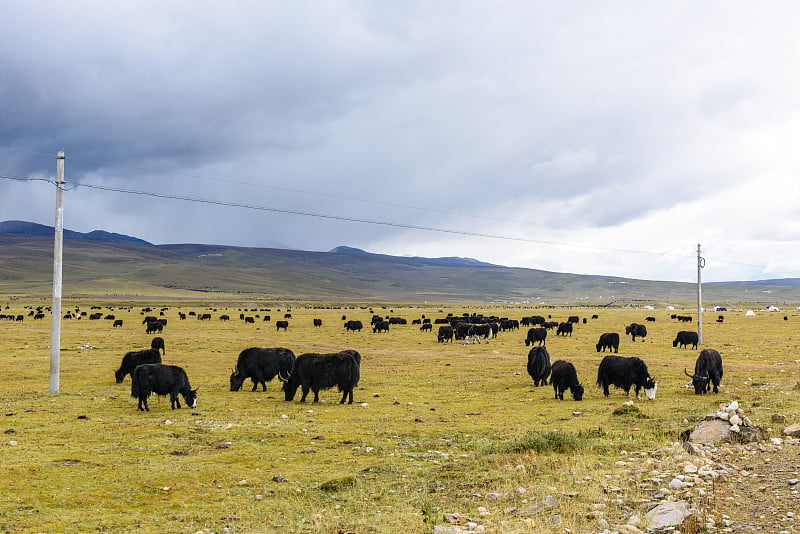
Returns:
<point x="135" y="386"/>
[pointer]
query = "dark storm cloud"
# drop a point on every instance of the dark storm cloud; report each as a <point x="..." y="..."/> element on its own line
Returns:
<point x="576" y="122"/>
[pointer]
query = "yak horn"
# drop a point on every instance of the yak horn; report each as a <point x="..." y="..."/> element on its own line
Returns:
<point x="280" y="377"/>
<point x="687" y="373"/>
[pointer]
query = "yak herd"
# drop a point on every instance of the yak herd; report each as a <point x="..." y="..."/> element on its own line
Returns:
<point x="316" y="372"/>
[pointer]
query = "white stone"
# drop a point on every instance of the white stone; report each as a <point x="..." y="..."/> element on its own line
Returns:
<point x="723" y="415"/>
<point x="675" y="484"/>
<point x="732" y="407"/>
<point x="668" y="514"/>
<point x="735" y="428"/>
<point x="735" y="420"/>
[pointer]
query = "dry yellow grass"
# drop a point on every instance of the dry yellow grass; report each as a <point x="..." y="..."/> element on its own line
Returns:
<point x="425" y="435"/>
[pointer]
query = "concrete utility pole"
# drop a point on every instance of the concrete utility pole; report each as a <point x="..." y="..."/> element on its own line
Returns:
<point x="58" y="248"/>
<point x="701" y="262"/>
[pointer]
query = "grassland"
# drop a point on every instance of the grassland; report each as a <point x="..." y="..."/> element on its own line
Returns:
<point x="220" y="272"/>
<point x="435" y="427"/>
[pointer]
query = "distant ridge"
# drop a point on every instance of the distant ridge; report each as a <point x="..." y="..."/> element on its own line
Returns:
<point x="41" y="230"/>
<point x="450" y="261"/>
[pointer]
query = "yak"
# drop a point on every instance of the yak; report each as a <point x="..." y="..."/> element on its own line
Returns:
<point x="685" y="338"/>
<point x="609" y="340"/>
<point x="445" y="334"/>
<point x="636" y="330"/>
<point x="536" y="335"/>
<point x="707" y="372"/>
<point x="260" y="365"/>
<point x="316" y="372"/>
<point x="353" y="326"/>
<point x="539" y="365"/>
<point x="624" y="373"/>
<point x="162" y="380"/>
<point x="134" y="358"/>
<point x="563" y="376"/>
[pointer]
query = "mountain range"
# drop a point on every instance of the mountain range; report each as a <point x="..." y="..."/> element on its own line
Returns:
<point x="105" y="263"/>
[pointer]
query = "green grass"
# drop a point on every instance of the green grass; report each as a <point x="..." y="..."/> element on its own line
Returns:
<point x="221" y="272"/>
<point x="433" y="430"/>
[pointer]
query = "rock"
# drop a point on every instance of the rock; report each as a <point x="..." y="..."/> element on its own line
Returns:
<point x="675" y="484"/>
<point x="453" y="519"/>
<point x="792" y="430"/>
<point x="778" y="418"/>
<point x="735" y="420"/>
<point x="711" y="432"/>
<point x="691" y="448"/>
<point x="628" y="529"/>
<point x="446" y="529"/>
<point x="668" y="514"/>
<point x="732" y="407"/>
<point x="548" y="503"/>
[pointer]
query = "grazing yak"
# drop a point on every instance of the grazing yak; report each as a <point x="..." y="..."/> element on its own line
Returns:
<point x="536" y="335"/>
<point x="563" y="376"/>
<point x="426" y="327"/>
<point x="539" y="365"/>
<point x="564" y="329"/>
<point x="609" y="340"/>
<point x="282" y="324"/>
<point x="135" y="358"/>
<point x="707" y="372"/>
<point x="353" y="326"/>
<point x="624" y="373"/>
<point x="685" y="338"/>
<point x="445" y="334"/>
<point x="162" y="380"/>
<point x="117" y="322"/>
<point x="261" y="365"/>
<point x="323" y="371"/>
<point x="155" y="327"/>
<point x="317" y="322"/>
<point x="476" y="332"/>
<point x="380" y="326"/>
<point x="636" y="330"/>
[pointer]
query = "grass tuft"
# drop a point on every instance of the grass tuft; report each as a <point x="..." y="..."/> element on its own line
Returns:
<point x="544" y="443"/>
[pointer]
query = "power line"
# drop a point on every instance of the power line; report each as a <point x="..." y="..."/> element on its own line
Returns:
<point x="360" y="220"/>
<point x="382" y="223"/>
<point x="315" y="193"/>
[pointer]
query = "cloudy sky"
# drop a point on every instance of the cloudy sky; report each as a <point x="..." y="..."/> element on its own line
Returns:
<point x="589" y="137"/>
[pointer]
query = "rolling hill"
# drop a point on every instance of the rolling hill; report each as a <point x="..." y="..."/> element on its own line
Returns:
<point x="126" y="266"/>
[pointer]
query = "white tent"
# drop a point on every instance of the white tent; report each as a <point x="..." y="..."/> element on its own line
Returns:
<point x="649" y="308"/>
<point x="670" y="307"/>
<point x="772" y="308"/>
<point x="750" y="313"/>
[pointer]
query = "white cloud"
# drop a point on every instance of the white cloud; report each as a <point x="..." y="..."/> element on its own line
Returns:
<point x="647" y="127"/>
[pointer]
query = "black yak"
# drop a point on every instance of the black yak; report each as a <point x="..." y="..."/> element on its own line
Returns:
<point x="139" y="357"/>
<point x="539" y="365"/>
<point x="162" y="380"/>
<point x="563" y="376"/>
<point x="316" y="372"/>
<point x="707" y="372"/>
<point x="624" y="373"/>
<point x="260" y="365"/>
